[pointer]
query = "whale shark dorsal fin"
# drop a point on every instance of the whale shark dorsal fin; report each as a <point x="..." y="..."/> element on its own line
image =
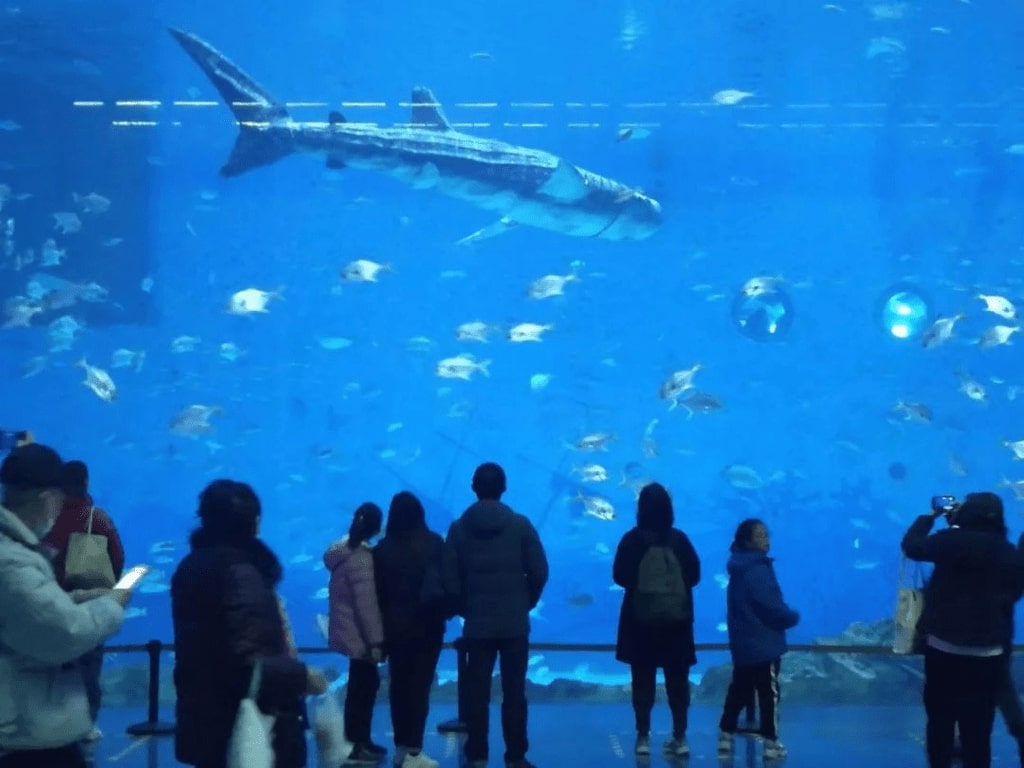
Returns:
<point x="565" y="184"/>
<point x="426" y="111"/>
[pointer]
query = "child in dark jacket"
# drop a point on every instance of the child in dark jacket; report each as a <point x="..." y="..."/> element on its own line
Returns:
<point x="758" y="618"/>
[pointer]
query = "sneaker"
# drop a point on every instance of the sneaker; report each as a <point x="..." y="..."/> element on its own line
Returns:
<point x="774" y="750"/>
<point x="643" y="744"/>
<point x="418" y="760"/>
<point x="376" y="749"/>
<point x="677" y="747"/>
<point x="726" y="742"/>
<point x="361" y="753"/>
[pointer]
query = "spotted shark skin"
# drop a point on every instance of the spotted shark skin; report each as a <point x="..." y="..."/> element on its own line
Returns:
<point x="523" y="186"/>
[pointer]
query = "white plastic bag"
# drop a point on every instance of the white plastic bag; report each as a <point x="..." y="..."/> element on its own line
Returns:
<point x="332" y="747"/>
<point x="251" y="744"/>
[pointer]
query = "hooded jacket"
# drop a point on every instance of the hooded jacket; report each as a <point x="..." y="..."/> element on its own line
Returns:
<point x="758" y="617"/>
<point x="354" y="621"/>
<point x="494" y="568"/>
<point x="43" y="632"/>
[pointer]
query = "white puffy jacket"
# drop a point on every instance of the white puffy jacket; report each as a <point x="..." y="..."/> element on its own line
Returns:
<point x="43" y="632"/>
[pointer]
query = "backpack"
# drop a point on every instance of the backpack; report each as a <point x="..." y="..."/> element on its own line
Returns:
<point x="661" y="596"/>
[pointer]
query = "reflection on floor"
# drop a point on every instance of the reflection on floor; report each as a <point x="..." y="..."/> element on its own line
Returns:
<point x="598" y="735"/>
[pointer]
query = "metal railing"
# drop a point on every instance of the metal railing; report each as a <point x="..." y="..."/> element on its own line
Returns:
<point x="153" y="726"/>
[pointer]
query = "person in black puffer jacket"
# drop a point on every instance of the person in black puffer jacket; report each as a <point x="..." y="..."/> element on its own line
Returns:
<point x="407" y="566"/>
<point x="494" y="570"/>
<point x="226" y="617"/>
<point x="967" y="618"/>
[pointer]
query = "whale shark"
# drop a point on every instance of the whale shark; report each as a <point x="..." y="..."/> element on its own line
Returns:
<point x="523" y="186"/>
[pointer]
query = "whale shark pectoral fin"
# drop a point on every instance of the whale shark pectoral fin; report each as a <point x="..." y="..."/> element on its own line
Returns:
<point x="565" y="184"/>
<point x="426" y="111"/>
<point x="427" y="177"/>
<point x="491" y="230"/>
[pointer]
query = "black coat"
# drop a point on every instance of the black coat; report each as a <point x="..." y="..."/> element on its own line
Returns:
<point x="401" y="565"/>
<point x="666" y="646"/>
<point x="226" y="616"/>
<point x="494" y="570"/>
<point x="978" y="577"/>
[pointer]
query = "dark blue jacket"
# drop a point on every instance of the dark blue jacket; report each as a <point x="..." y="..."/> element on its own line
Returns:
<point x="758" y="617"/>
<point x="494" y="569"/>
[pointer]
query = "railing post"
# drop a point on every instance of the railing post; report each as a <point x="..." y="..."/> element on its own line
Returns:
<point x="152" y="726"/>
<point x="458" y="724"/>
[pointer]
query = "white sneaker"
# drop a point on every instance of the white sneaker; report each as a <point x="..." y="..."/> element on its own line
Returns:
<point x="643" y="744"/>
<point x="726" y="742"/>
<point x="419" y="760"/>
<point x="774" y="750"/>
<point x="677" y="747"/>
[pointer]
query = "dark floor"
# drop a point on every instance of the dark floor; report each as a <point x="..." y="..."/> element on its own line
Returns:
<point x="572" y="736"/>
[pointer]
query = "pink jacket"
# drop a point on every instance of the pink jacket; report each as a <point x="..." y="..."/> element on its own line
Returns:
<point x="354" y="621"/>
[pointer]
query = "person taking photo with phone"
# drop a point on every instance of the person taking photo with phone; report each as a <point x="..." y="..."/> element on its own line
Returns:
<point x="967" y="616"/>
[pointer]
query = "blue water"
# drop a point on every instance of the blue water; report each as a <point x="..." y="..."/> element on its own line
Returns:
<point x="875" y="149"/>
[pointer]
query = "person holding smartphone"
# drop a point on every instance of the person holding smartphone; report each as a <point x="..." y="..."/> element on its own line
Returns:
<point x="966" y="622"/>
<point x="44" y="630"/>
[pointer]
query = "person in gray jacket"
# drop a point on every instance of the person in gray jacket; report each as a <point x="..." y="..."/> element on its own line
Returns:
<point x="44" y="710"/>
<point x="494" y="570"/>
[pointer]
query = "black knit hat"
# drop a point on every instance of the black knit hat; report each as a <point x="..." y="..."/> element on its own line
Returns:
<point x="35" y="466"/>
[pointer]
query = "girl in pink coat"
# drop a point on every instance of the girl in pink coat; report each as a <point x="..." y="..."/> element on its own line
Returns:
<point x="355" y="627"/>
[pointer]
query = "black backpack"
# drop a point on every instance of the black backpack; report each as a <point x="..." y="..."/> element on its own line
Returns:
<point x="661" y="596"/>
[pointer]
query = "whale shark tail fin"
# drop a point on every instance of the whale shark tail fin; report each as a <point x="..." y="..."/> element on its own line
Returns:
<point x="255" y="110"/>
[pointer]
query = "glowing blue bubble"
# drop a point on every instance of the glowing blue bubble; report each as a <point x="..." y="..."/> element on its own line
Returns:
<point x="767" y="316"/>
<point x="905" y="312"/>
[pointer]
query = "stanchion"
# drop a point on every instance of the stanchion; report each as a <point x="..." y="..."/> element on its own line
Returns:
<point x="152" y="726"/>
<point x="458" y="724"/>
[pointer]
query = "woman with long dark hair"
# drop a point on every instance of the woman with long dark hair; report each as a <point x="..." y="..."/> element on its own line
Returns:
<point x="407" y="565"/>
<point x="355" y="628"/>
<point x="227" y="618"/>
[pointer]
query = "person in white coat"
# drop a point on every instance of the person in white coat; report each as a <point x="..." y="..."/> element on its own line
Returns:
<point x="44" y="710"/>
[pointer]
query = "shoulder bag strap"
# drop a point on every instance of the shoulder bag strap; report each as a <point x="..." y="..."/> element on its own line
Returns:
<point x="92" y="511"/>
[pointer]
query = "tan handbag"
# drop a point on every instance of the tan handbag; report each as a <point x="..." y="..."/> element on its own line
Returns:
<point x="909" y="606"/>
<point x="87" y="565"/>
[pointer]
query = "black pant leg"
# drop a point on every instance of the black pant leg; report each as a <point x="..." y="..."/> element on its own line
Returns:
<point x="422" y="683"/>
<point x="360" y="696"/>
<point x="940" y="706"/>
<point x="739" y="696"/>
<point x="401" y="662"/>
<point x="480" y="657"/>
<point x="769" y="695"/>
<point x="62" y="757"/>
<point x="644" y="682"/>
<point x="515" y="654"/>
<point x="677" y="688"/>
<point x="979" y="681"/>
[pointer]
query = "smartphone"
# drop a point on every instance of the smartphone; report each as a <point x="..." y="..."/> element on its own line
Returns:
<point x="944" y="503"/>
<point x="11" y="439"/>
<point x="132" y="577"/>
